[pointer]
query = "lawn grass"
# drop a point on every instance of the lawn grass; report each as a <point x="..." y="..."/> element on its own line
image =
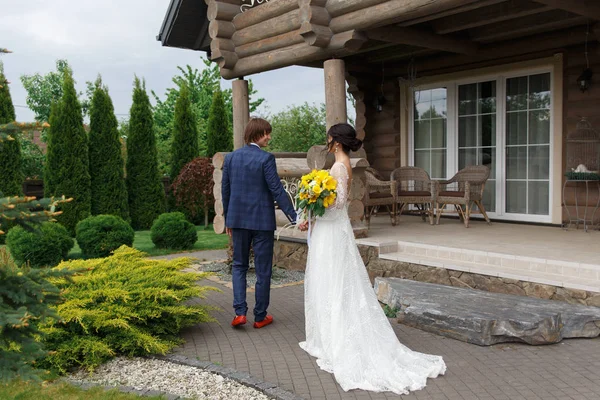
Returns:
<point x="62" y="391"/>
<point x="207" y="240"/>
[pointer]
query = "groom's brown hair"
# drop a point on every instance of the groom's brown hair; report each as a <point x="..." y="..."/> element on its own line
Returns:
<point x="255" y="129"/>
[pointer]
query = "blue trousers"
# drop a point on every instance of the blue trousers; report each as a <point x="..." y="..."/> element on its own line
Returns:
<point x="262" y="243"/>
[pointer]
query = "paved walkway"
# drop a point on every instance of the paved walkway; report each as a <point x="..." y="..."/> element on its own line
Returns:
<point x="568" y="370"/>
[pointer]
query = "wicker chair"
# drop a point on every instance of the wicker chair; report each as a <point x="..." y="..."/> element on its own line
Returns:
<point x="379" y="193"/>
<point x="469" y="184"/>
<point x="415" y="187"/>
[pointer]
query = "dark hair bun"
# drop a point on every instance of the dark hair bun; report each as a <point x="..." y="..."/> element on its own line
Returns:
<point x="345" y="135"/>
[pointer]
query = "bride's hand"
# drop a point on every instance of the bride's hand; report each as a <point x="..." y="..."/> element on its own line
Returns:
<point x="303" y="226"/>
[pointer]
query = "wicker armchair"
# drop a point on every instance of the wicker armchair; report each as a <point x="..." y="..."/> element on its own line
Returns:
<point x="379" y="193"/>
<point x="468" y="185"/>
<point x="415" y="187"/>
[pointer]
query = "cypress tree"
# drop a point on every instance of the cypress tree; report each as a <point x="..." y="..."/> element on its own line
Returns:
<point x="184" y="147"/>
<point x="144" y="187"/>
<point x="219" y="135"/>
<point x="108" y="191"/>
<point x="11" y="175"/>
<point x="67" y="154"/>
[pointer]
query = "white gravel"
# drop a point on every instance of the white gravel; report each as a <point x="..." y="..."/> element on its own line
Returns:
<point x="164" y="376"/>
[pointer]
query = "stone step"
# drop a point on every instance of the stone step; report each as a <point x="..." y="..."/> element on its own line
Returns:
<point x="485" y="318"/>
<point x="546" y="271"/>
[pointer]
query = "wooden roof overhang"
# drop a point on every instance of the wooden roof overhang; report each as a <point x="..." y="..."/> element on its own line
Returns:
<point x="366" y="33"/>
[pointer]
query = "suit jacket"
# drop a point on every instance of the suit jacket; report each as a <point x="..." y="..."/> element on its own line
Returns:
<point x="250" y="185"/>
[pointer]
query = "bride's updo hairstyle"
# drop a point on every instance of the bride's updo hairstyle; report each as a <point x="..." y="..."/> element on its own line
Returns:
<point x="345" y="135"/>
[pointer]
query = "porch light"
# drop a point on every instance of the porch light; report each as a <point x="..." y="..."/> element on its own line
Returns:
<point x="379" y="101"/>
<point x="585" y="80"/>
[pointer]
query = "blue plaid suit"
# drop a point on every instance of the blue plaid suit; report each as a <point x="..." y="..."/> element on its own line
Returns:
<point x="249" y="187"/>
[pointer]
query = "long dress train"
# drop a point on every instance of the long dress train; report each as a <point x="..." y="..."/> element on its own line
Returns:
<point x="346" y="328"/>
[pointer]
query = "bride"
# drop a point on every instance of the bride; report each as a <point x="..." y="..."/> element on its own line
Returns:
<point x="346" y="328"/>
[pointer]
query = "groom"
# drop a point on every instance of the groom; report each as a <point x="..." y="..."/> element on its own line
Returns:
<point x="250" y="185"/>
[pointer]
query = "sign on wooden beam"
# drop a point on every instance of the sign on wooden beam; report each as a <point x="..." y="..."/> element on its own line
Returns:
<point x="251" y="3"/>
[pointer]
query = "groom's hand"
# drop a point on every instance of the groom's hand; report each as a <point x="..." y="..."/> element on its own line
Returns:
<point x="228" y="231"/>
<point x="303" y="226"/>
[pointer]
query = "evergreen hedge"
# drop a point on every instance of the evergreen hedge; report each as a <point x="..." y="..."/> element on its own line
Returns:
<point x="219" y="134"/>
<point x="100" y="235"/>
<point x="184" y="147"/>
<point x="173" y="231"/>
<point x="108" y="190"/>
<point x="11" y="174"/>
<point x="43" y="247"/>
<point x="144" y="187"/>
<point x="67" y="166"/>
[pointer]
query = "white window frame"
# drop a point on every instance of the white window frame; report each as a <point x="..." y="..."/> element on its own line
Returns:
<point x="452" y="133"/>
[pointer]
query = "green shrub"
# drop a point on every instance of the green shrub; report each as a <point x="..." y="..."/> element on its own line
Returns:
<point x="43" y="247"/>
<point x="100" y="235"/>
<point x="173" y="231"/>
<point x="26" y="298"/>
<point x="124" y="304"/>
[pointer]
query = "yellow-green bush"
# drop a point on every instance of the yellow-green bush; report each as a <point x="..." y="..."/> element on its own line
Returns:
<point x="124" y="304"/>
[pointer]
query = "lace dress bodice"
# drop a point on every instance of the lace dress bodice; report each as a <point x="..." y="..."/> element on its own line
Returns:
<point x="340" y="208"/>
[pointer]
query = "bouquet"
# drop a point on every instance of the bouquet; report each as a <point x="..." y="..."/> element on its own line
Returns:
<point x="316" y="192"/>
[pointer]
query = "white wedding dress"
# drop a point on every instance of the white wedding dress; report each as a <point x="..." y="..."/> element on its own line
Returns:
<point x="346" y="328"/>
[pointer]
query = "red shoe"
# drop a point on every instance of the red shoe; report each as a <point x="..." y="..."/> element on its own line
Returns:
<point x="260" y="324"/>
<point x="238" y="320"/>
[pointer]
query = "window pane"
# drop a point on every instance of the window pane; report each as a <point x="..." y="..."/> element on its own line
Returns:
<point x="422" y="159"/>
<point x="487" y="97"/>
<point x="516" y="162"/>
<point x="467" y="131"/>
<point x="467" y="99"/>
<point x="487" y="157"/>
<point x="539" y="127"/>
<point x="539" y="162"/>
<point x="538" y="194"/>
<point x="516" y="94"/>
<point x="539" y="91"/>
<point x="488" y="130"/>
<point x="467" y="157"/>
<point x="489" y="196"/>
<point x="516" y="128"/>
<point x="438" y="109"/>
<point x="438" y="133"/>
<point x="438" y="164"/>
<point x="422" y="134"/>
<point x="516" y="197"/>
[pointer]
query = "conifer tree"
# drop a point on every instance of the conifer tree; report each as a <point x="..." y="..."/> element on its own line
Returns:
<point x="67" y="167"/>
<point x="144" y="187"/>
<point x="219" y="135"/>
<point x="185" y="134"/>
<point x="11" y="175"/>
<point x="108" y="191"/>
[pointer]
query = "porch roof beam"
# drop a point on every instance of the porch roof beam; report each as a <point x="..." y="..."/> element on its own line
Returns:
<point x="585" y="8"/>
<point x="468" y="6"/>
<point x="487" y="15"/>
<point x="421" y="38"/>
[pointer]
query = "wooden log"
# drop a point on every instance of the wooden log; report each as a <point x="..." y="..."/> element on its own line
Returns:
<point x="291" y="167"/>
<point x="335" y="92"/>
<point x="357" y="191"/>
<point x="290" y="21"/>
<point x="218" y="159"/>
<point x="269" y="44"/>
<point x="421" y="38"/>
<point x="265" y="12"/>
<point x="339" y="7"/>
<point x="222" y="11"/>
<point x="390" y="139"/>
<point x="225" y="59"/>
<point x="220" y="29"/>
<point x="241" y="111"/>
<point x="360" y="122"/>
<point x="316" y="3"/>
<point x="384" y="124"/>
<point x="217" y="193"/>
<point x="218" y="207"/>
<point x="387" y="13"/>
<point x="219" y="224"/>
<point x="218" y="177"/>
<point x="356" y="209"/>
<point x="222" y="44"/>
<point x="385" y="164"/>
<point x="315" y="35"/>
<point x="315" y="15"/>
<point x="385" y="152"/>
<point x="289" y="154"/>
<point x="341" y="44"/>
<point x="318" y="158"/>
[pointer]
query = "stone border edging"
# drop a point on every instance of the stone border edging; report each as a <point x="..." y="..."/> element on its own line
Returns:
<point x="269" y="389"/>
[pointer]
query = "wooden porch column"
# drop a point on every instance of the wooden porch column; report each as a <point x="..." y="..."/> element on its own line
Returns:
<point x="241" y="111"/>
<point x="335" y="92"/>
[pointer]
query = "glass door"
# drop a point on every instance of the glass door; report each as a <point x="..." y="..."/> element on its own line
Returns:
<point x="430" y="130"/>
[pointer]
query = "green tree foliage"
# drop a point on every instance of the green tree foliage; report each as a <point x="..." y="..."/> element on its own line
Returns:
<point x="185" y="134"/>
<point x="144" y="187"/>
<point x="173" y="231"/>
<point x="43" y="247"/>
<point x="218" y="132"/>
<point x="202" y="85"/>
<point x="108" y="190"/>
<point x="124" y="304"/>
<point x="100" y="235"/>
<point x="11" y="174"/>
<point x="298" y="128"/>
<point x="43" y="90"/>
<point x="193" y="189"/>
<point x="67" y="167"/>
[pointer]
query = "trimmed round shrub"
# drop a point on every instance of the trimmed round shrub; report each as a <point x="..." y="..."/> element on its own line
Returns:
<point x="173" y="231"/>
<point x="45" y="247"/>
<point x="100" y="235"/>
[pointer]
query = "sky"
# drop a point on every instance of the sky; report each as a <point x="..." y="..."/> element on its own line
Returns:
<point x="117" y="39"/>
